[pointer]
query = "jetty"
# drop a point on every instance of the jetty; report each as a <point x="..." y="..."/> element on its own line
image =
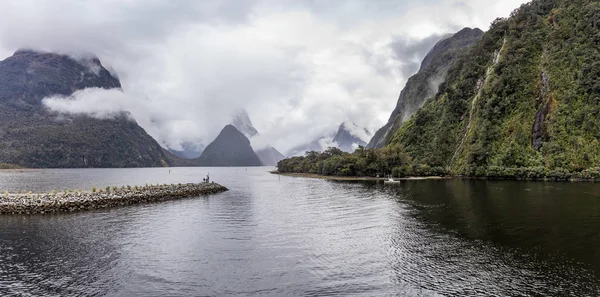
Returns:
<point x="74" y="201"/>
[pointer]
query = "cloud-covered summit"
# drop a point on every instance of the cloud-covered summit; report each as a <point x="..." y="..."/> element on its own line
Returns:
<point x="298" y="67"/>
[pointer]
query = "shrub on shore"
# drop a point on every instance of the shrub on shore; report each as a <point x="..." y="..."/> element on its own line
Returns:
<point x="393" y="160"/>
<point x="9" y="166"/>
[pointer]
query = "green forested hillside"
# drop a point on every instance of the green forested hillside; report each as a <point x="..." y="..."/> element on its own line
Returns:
<point x="526" y="97"/>
<point x="524" y="102"/>
<point x="424" y="84"/>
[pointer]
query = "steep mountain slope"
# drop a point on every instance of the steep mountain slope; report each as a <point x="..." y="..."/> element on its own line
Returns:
<point x="349" y="136"/>
<point x="269" y="156"/>
<point x="425" y="83"/>
<point x="32" y="136"/>
<point x="523" y="101"/>
<point x="230" y="148"/>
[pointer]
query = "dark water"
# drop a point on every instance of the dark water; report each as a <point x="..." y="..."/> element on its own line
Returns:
<point x="282" y="236"/>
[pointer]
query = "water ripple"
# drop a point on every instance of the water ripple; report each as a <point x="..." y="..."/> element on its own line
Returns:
<point x="277" y="236"/>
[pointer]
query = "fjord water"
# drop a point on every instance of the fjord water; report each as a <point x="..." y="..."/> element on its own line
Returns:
<point x="279" y="236"/>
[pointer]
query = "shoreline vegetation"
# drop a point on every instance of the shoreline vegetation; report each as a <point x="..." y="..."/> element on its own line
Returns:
<point x="358" y="178"/>
<point x="4" y="166"/>
<point x="109" y="197"/>
<point x="419" y="178"/>
<point x="367" y="164"/>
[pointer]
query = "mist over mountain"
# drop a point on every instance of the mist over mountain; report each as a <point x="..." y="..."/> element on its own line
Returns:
<point x="349" y="137"/>
<point x="304" y="67"/>
<point x="188" y="150"/>
<point x="502" y="109"/>
<point x="242" y="122"/>
<point x="269" y="156"/>
<point x="425" y="83"/>
<point x="183" y="70"/>
<point x="318" y="144"/>
<point x="519" y="103"/>
<point x="32" y="135"/>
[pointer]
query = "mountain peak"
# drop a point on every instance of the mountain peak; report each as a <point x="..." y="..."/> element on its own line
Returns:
<point x="349" y="136"/>
<point x="242" y="122"/>
<point x="230" y="148"/>
<point x="468" y="32"/>
<point x="33" y="75"/>
<point x="32" y="135"/>
<point x="460" y="39"/>
<point x="357" y="131"/>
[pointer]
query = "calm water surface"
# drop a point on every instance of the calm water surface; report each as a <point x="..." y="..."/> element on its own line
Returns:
<point x="282" y="236"/>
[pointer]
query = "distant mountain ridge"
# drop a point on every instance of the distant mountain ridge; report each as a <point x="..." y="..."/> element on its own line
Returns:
<point x="348" y="137"/>
<point x="315" y="145"/>
<point x="33" y="136"/>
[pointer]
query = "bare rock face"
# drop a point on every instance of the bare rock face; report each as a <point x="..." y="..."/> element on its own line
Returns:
<point x="32" y="136"/>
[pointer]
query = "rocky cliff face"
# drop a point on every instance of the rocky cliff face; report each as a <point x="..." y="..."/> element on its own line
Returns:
<point x="425" y="83"/>
<point x="525" y="96"/>
<point x="33" y="136"/>
<point x="230" y="148"/>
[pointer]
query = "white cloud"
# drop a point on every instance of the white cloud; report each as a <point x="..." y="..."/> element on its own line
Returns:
<point x="299" y="68"/>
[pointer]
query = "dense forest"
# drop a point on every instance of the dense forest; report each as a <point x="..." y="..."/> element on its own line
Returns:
<point x="524" y="101"/>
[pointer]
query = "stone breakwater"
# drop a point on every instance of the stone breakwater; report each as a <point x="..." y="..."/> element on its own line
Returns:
<point x="80" y="201"/>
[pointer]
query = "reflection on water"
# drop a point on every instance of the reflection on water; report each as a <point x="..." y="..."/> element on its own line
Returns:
<point x="275" y="236"/>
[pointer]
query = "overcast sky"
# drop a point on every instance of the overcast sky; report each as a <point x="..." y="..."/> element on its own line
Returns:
<point x="300" y="68"/>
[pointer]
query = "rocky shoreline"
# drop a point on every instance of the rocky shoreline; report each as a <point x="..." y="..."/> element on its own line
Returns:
<point x="72" y="201"/>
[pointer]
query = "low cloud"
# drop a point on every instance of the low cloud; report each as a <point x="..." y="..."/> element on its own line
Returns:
<point x="299" y="68"/>
<point x="95" y="102"/>
<point x="411" y="51"/>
